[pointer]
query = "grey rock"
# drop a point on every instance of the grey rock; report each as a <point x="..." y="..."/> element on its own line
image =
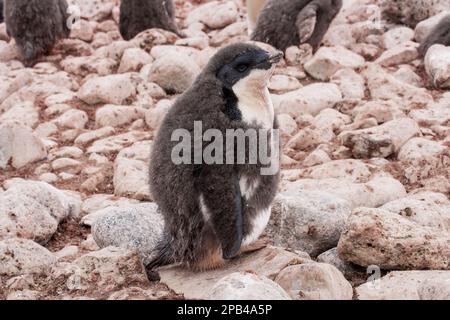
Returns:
<point x="311" y="221"/>
<point x="136" y="227"/>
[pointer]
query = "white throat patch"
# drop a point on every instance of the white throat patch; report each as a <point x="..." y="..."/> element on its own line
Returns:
<point x="254" y="100"/>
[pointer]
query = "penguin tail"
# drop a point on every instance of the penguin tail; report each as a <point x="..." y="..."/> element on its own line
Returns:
<point x="29" y="51"/>
<point x="164" y="256"/>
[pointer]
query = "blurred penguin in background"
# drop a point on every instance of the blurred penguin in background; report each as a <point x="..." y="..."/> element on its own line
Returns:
<point x="440" y="34"/>
<point x="139" y="15"/>
<point x="1" y="11"/>
<point x="254" y="8"/>
<point x="36" y="25"/>
<point x="285" y="23"/>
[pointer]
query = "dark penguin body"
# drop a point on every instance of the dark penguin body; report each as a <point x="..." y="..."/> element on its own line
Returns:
<point x="214" y="211"/>
<point x="285" y="23"/>
<point x="36" y="25"/>
<point x="438" y="35"/>
<point x="139" y="15"/>
<point x="1" y="11"/>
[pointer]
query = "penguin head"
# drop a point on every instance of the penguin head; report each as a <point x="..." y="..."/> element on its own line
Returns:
<point x="251" y="64"/>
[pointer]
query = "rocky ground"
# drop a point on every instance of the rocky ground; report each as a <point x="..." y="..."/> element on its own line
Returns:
<point x="366" y="166"/>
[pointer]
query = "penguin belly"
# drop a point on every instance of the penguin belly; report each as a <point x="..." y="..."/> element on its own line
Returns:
<point x="257" y="221"/>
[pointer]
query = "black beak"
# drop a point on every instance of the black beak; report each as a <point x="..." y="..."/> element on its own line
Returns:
<point x="275" y="57"/>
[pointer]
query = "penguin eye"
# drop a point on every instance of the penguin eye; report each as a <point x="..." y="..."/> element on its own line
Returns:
<point x="241" y="67"/>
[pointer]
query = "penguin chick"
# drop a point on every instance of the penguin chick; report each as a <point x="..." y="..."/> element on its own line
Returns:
<point x="440" y="34"/>
<point x="36" y="25"/>
<point x="1" y="11"/>
<point x="285" y="23"/>
<point x="254" y="8"/>
<point x="215" y="211"/>
<point x="139" y="15"/>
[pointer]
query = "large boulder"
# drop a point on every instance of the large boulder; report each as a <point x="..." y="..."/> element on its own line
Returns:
<point x="390" y="241"/>
<point x="138" y="227"/>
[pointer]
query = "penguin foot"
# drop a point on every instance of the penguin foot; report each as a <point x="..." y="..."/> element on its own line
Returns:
<point x="152" y="275"/>
<point x="209" y="262"/>
<point x="256" y="245"/>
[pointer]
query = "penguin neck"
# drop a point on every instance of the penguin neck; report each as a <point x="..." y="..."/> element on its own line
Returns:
<point x="254" y="102"/>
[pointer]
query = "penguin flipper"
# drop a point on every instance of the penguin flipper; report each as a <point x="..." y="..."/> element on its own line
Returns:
<point x="306" y="22"/>
<point x="223" y="203"/>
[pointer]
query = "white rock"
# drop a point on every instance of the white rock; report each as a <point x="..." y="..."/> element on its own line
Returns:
<point x="67" y="152"/>
<point x="402" y="53"/>
<point x="426" y="208"/>
<point x="373" y="193"/>
<point x="436" y="114"/>
<point x="82" y="30"/>
<point x="214" y="14"/>
<point x="174" y="72"/>
<point x="390" y="241"/>
<point x="114" y="89"/>
<point x="22" y="256"/>
<point x="25" y="114"/>
<point x="380" y="141"/>
<point x="97" y="10"/>
<point x="134" y="59"/>
<point x="20" y="145"/>
<point x="45" y="129"/>
<point x="328" y="60"/>
<point x="286" y="124"/>
<point x="246" y="286"/>
<point x="48" y="177"/>
<point x="72" y="119"/>
<point x="67" y="165"/>
<point x="400" y="285"/>
<point x="131" y="171"/>
<point x="382" y="111"/>
<point x="115" y="116"/>
<point x="155" y="116"/>
<point x="434" y="289"/>
<point x="437" y="65"/>
<point x="347" y="169"/>
<point x="283" y="83"/>
<point x="417" y="148"/>
<point x="406" y="74"/>
<point x="316" y="157"/>
<point x="33" y="210"/>
<point x="350" y="83"/>
<point x="116" y="143"/>
<point x="384" y="86"/>
<point x="113" y="267"/>
<point x="232" y="30"/>
<point x="314" y="281"/>
<point x="397" y="36"/>
<point x="13" y="82"/>
<point x="310" y="99"/>
<point x="88" y="137"/>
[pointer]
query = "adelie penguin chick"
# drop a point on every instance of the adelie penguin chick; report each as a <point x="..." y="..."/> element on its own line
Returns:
<point x="285" y="23"/>
<point x="438" y="35"/>
<point x="215" y="211"/>
<point x="1" y="11"/>
<point x="36" y="25"/>
<point x="139" y="15"/>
